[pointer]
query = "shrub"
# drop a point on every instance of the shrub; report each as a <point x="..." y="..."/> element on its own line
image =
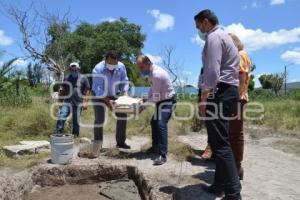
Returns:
<point x="294" y="94"/>
<point x="9" y="97"/>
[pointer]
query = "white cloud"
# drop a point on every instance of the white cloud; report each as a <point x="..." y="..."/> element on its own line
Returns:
<point x="108" y="19"/>
<point x="20" y="62"/>
<point x="245" y="7"/>
<point x="5" y="40"/>
<point x="1" y="63"/>
<point x="277" y="2"/>
<point x="254" y="4"/>
<point x="291" y="56"/>
<point x="155" y="59"/>
<point x="256" y="39"/>
<point x="181" y="82"/>
<point x="186" y="73"/>
<point x="197" y="40"/>
<point x="163" y="21"/>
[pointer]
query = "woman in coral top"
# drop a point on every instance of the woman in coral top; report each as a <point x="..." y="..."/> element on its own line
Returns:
<point x="236" y="126"/>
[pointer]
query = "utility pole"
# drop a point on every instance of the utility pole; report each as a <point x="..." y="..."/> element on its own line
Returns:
<point x="285" y="77"/>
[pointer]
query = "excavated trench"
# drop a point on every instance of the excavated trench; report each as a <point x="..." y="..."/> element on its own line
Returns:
<point x="80" y="182"/>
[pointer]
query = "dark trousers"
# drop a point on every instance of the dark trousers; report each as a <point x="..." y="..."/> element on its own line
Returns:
<point x="99" y="109"/>
<point x="159" y="124"/>
<point x="199" y="100"/>
<point x="225" y="100"/>
<point x="64" y="112"/>
<point x="236" y="135"/>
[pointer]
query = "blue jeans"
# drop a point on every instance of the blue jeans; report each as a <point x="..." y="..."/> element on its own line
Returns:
<point x="64" y="112"/>
<point x="226" y="175"/>
<point x="159" y="125"/>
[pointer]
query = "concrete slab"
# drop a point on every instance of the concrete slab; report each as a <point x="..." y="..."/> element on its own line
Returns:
<point x="26" y="147"/>
<point x="36" y="143"/>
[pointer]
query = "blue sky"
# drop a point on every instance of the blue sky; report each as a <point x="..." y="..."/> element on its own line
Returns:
<point x="270" y="29"/>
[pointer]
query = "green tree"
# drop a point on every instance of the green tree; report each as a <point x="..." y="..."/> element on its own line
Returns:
<point x="56" y="48"/>
<point x="30" y="76"/>
<point x="265" y="81"/>
<point x="5" y="68"/>
<point x="17" y="81"/>
<point x="272" y="81"/>
<point x="34" y="74"/>
<point x="38" y="72"/>
<point x="88" y="43"/>
<point x="277" y="82"/>
<point x="11" y="92"/>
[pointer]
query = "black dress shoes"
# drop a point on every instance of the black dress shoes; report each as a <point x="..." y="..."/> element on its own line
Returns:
<point x="214" y="189"/>
<point x="123" y="146"/>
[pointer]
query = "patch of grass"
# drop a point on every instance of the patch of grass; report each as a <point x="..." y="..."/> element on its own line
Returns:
<point x="28" y="123"/>
<point x="22" y="162"/>
<point x="262" y="131"/>
<point x="179" y="150"/>
<point x="283" y="114"/>
<point x="140" y="124"/>
<point x="31" y="121"/>
<point x="280" y="114"/>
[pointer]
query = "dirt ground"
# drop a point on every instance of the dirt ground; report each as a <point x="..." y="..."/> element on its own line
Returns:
<point x="67" y="192"/>
<point x="270" y="174"/>
<point x="119" y="189"/>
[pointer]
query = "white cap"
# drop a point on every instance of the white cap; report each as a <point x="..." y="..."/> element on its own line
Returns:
<point x="75" y="64"/>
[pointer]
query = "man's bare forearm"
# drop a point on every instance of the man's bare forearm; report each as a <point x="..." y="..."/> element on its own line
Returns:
<point x="204" y="95"/>
<point x="86" y="97"/>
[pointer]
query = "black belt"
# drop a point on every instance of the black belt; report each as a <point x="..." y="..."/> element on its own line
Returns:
<point x="173" y="98"/>
<point x="224" y="86"/>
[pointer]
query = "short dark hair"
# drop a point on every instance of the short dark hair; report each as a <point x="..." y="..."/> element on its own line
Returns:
<point x="112" y="54"/>
<point x="145" y="59"/>
<point x="209" y="15"/>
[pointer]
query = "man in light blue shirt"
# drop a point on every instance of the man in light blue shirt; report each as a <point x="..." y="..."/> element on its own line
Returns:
<point x="109" y="81"/>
